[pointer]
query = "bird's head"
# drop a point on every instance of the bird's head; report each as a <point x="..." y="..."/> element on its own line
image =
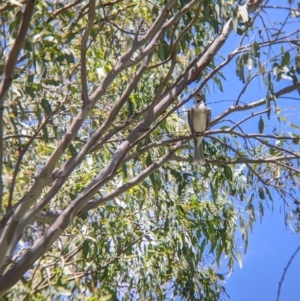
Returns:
<point x="198" y="97"/>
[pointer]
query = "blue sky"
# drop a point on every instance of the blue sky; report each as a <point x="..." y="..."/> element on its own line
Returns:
<point x="272" y="243"/>
<point x="271" y="246"/>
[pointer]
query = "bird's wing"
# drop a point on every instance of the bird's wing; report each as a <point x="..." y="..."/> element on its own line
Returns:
<point x="208" y="116"/>
<point x="190" y="119"/>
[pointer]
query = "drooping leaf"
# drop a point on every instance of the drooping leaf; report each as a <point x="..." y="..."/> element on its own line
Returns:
<point x="261" y="193"/>
<point x="261" y="125"/>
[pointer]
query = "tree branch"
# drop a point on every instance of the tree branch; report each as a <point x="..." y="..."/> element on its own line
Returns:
<point x="84" y="88"/>
<point x="7" y="78"/>
<point x="253" y="104"/>
<point x="249" y="117"/>
<point x="62" y="222"/>
<point x="193" y="71"/>
<point x="63" y="173"/>
<point x="284" y="272"/>
<point x="62" y="9"/>
<point x="134" y="181"/>
<point x="43" y="179"/>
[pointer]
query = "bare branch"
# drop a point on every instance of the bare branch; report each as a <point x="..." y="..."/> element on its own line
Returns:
<point x="284" y="272"/>
<point x="253" y="104"/>
<point x="152" y="145"/>
<point x="274" y="160"/>
<point x="9" y="5"/>
<point x="283" y="150"/>
<point x="245" y="87"/>
<point x="85" y="96"/>
<point x="62" y="9"/>
<point x="290" y="167"/>
<point x="249" y="117"/>
<point x="47" y="216"/>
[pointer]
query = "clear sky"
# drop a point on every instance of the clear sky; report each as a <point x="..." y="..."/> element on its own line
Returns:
<point x="270" y="248"/>
<point x="272" y="243"/>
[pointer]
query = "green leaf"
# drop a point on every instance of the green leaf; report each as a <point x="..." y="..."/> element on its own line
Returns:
<point x="286" y="59"/>
<point x="130" y="106"/>
<point x="221" y="277"/>
<point x="105" y="298"/>
<point x="261" y="209"/>
<point x="213" y="192"/>
<point x="85" y="249"/>
<point x="268" y="104"/>
<point x="41" y="68"/>
<point x="240" y="68"/>
<point x="250" y="64"/>
<point x="234" y="21"/>
<point x="243" y="13"/>
<point x="228" y="172"/>
<point x="246" y="241"/>
<point x="261" y="194"/>
<point x="52" y="82"/>
<point x="219" y="83"/>
<point x="166" y="225"/>
<point x="240" y="259"/>
<point x="294" y="126"/>
<point x="155" y="180"/>
<point x="261" y="125"/>
<point x="72" y="149"/>
<point x="70" y="57"/>
<point x="268" y="193"/>
<point x="124" y="170"/>
<point x="63" y="291"/>
<point x="148" y="160"/>
<point x="163" y="50"/>
<point x="255" y="47"/>
<point x="46" y="106"/>
<point x="45" y="134"/>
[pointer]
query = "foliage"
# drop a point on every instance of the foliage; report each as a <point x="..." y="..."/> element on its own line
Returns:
<point x="99" y="199"/>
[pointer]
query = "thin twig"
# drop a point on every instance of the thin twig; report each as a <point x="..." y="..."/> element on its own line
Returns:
<point x="249" y="117"/>
<point x="284" y="272"/>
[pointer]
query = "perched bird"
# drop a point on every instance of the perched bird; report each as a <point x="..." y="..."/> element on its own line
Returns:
<point x="198" y="117"/>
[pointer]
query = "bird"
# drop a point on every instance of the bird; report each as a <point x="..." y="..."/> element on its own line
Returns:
<point x="198" y="117"/>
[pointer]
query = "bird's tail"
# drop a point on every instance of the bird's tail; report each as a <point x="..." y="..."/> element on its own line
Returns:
<point x="198" y="154"/>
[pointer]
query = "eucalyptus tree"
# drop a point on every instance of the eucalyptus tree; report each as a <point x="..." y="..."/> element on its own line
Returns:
<point x="99" y="197"/>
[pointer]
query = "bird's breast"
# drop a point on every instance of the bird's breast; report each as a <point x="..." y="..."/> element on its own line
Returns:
<point x="199" y="121"/>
